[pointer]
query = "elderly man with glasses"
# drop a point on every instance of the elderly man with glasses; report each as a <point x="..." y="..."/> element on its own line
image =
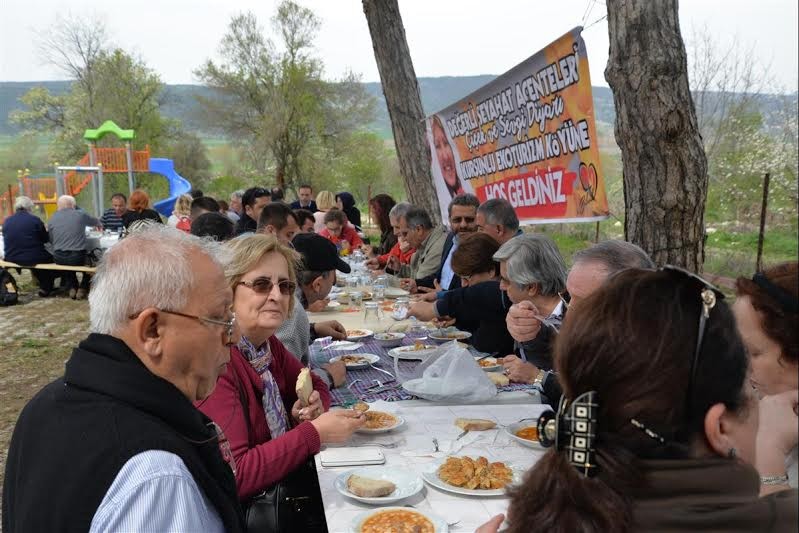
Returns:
<point x="116" y="444"/>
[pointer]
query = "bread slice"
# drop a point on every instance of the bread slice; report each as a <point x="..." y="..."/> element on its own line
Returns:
<point x="304" y="386"/>
<point x="369" y="488"/>
<point x="498" y="378"/>
<point x="475" y="424"/>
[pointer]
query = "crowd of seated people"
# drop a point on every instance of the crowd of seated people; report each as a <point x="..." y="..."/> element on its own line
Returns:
<point x="691" y="402"/>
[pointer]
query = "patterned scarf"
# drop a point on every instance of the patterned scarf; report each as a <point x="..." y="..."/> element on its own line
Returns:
<point x="261" y="358"/>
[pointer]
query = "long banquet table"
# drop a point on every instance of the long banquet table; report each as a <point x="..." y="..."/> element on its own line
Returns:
<point x="414" y="453"/>
<point x="423" y="421"/>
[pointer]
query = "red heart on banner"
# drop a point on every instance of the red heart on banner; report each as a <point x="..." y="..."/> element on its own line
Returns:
<point x="585" y="176"/>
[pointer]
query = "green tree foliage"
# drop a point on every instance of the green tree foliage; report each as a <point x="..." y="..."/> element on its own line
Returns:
<point x="108" y="84"/>
<point x="746" y="132"/>
<point x="191" y="159"/>
<point x="274" y="102"/>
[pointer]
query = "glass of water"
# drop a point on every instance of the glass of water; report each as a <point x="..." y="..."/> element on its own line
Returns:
<point x="379" y="287"/>
<point x="356" y="298"/>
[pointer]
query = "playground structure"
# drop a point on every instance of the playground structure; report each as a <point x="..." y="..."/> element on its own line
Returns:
<point x="89" y="171"/>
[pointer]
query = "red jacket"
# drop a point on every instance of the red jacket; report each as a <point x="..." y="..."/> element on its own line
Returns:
<point x="404" y="257"/>
<point x="348" y="234"/>
<point x="266" y="461"/>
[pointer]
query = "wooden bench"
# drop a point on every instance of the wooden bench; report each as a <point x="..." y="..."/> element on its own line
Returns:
<point x="50" y="266"/>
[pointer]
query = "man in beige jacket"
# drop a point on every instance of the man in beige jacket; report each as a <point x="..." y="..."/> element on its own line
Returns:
<point x="417" y="227"/>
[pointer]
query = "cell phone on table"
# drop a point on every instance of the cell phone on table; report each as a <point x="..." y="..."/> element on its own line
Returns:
<point x="332" y="457"/>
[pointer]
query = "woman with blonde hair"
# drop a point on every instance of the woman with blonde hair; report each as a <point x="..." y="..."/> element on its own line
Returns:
<point x="180" y="217"/>
<point x="325" y="201"/>
<point x="271" y="433"/>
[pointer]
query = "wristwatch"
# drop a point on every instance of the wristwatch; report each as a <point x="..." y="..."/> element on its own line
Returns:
<point x="539" y="379"/>
<point x="774" y="480"/>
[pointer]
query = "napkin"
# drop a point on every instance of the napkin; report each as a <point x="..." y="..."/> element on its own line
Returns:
<point x="420" y="446"/>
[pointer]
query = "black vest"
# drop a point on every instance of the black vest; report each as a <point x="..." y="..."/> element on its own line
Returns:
<point x="73" y="438"/>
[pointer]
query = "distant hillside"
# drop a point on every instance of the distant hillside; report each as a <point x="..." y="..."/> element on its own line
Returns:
<point x="180" y="100"/>
<point x="437" y="93"/>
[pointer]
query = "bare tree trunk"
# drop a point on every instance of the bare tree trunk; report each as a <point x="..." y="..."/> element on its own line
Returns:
<point x="665" y="168"/>
<point x="403" y="101"/>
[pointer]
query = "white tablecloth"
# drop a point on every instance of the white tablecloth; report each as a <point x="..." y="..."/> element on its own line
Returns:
<point x="422" y="422"/>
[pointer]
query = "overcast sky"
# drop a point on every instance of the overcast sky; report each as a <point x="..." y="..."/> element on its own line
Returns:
<point x="446" y="37"/>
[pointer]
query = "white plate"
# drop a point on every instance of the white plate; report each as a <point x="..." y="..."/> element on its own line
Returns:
<point x="513" y="428"/>
<point x="395" y="292"/>
<point x="345" y="346"/>
<point x="364" y="334"/>
<point x="369" y="359"/>
<point x="408" y="483"/>
<point x="407" y="353"/>
<point x="496" y="367"/>
<point x="400" y="422"/>
<point x="462" y="335"/>
<point x="431" y="478"/>
<point x="439" y="524"/>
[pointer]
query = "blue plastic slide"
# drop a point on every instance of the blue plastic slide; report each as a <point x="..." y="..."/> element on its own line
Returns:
<point x="177" y="184"/>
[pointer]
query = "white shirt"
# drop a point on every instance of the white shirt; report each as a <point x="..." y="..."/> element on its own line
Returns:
<point x="154" y="491"/>
<point x="446" y="270"/>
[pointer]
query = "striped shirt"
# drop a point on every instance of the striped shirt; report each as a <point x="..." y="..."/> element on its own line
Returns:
<point x="154" y="491"/>
<point x="111" y="220"/>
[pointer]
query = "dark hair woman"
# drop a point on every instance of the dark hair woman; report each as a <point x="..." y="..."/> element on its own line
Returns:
<point x="380" y="206"/>
<point x="479" y="306"/>
<point x="657" y="429"/>
<point x="346" y="202"/>
<point x="766" y="312"/>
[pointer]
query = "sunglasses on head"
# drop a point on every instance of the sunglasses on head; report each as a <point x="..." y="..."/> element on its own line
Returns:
<point x="265" y="285"/>
<point x="709" y="294"/>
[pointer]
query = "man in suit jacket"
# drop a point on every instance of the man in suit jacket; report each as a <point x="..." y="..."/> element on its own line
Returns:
<point x="305" y="200"/>
<point x="462" y="215"/>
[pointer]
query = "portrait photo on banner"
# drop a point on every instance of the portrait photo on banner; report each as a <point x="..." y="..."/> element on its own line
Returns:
<point x="529" y="137"/>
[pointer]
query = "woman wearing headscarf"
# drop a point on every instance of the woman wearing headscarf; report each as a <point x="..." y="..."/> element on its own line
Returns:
<point x="346" y="202"/>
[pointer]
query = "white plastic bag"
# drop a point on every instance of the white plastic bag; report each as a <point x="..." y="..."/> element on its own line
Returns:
<point x="449" y="374"/>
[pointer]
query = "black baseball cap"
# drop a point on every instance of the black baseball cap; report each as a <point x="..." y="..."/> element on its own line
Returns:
<point x="318" y="253"/>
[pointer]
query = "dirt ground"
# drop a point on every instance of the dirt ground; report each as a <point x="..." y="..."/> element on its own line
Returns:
<point x="36" y="339"/>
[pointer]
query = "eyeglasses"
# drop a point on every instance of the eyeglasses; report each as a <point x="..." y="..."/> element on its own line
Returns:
<point x="709" y="295"/>
<point x="229" y="325"/>
<point x="459" y="220"/>
<point x="265" y="285"/>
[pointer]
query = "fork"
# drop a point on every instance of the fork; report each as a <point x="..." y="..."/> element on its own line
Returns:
<point x="381" y="370"/>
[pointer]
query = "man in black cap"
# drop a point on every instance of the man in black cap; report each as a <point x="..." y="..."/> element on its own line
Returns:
<point x="316" y="275"/>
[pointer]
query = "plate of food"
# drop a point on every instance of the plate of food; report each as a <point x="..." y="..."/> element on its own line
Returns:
<point x="417" y="351"/>
<point x="399" y="520"/>
<point x="389" y="339"/>
<point x="378" y="485"/>
<point x="448" y="334"/>
<point x="473" y="476"/>
<point x="358" y="334"/>
<point x="395" y="292"/>
<point x="490" y="364"/>
<point x="332" y="305"/>
<point x="380" y="422"/>
<point x="525" y="433"/>
<point x="354" y="361"/>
